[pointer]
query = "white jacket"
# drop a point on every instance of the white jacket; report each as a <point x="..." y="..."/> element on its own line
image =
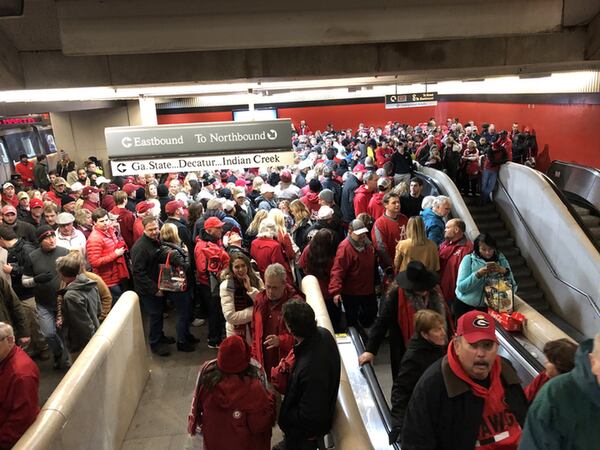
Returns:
<point x="235" y="318"/>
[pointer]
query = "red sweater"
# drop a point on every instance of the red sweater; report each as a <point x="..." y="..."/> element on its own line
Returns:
<point x="451" y="255"/>
<point x="20" y="380"/>
<point x="263" y="308"/>
<point x="385" y="235"/>
<point x="534" y="387"/>
<point x="126" y="220"/>
<point x="266" y="251"/>
<point x="26" y="172"/>
<point x="362" y="197"/>
<point x="353" y="272"/>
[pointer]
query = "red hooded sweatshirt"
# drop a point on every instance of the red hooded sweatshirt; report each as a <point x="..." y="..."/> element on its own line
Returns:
<point x="238" y="413"/>
<point x="311" y="200"/>
<point x="362" y="197"/>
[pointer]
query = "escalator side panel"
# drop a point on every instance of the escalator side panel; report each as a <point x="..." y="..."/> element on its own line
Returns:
<point x="568" y="265"/>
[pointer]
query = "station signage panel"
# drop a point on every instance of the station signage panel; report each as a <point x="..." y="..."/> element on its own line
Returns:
<point x="199" y="163"/>
<point x="190" y="139"/>
<point x="411" y="100"/>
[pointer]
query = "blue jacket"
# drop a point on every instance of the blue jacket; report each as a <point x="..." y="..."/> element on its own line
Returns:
<point x="564" y="414"/>
<point x="469" y="288"/>
<point x="434" y="226"/>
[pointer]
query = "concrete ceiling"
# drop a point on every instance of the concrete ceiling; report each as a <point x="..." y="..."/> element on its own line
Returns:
<point x="75" y="43"/>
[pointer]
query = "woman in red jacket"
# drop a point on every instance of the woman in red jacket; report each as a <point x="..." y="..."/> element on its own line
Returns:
<point x="266" y="249"/>
<point x="231" y="406"/>
<point x="105" y="253"/>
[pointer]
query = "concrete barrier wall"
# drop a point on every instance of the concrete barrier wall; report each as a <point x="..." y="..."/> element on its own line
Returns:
<point x="93" y="405"/>
<point x="349" y="432"/>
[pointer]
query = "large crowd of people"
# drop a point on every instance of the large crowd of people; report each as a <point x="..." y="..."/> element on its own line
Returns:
<point x="229" y="248"/>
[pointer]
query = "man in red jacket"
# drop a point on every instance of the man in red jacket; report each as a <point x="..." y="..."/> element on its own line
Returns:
<point x="125" y="218"/>
<point x="388" y="230"/>
<point x="18" y="390"/>
<point x="452" y="251"/>
<point x="25" y="168"/>
<point x="271" y="339"/>
<point x="353" y="276"/>
<point x="105" y="253"/>
<point x="363" y="194"/>
<point x="211" y="258"/>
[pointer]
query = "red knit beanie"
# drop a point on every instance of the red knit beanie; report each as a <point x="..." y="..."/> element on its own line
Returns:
<point x="234" y="355"/>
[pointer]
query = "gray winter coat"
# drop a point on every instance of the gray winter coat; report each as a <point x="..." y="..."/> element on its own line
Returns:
<point x="80" y="307"/>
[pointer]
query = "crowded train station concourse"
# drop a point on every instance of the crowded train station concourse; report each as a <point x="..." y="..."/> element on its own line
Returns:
<point x="279" y="226"/>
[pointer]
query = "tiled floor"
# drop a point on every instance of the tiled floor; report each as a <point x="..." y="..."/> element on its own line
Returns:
<point x="160" y="422"/>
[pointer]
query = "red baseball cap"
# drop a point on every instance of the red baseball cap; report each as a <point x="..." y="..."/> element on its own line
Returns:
<point x="172" y="206"/>
<point x="476" y="326"/>
<point x="35" y="203"/>
<point x="130" y="188"/>
<point x="89" y="189"/>
<point x="143" y="207"/>
<point x="213" y="222"/>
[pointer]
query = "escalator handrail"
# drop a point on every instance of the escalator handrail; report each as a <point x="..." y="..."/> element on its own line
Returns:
<point x="374" y="386"/>
<point x="594" y="170"/>
<point x="563" y="198"/>
<point x="518" y="348"/>
<point x="553" y="271"/>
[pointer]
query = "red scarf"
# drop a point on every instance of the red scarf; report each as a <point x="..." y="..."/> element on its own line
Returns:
<point x="499" y="429"/>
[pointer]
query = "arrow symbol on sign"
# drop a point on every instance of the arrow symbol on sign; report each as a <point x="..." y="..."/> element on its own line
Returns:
<point x="121" y="167"/>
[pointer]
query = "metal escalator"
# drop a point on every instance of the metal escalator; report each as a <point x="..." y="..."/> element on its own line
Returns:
<point x="581" y="188"/>
<point x="517" y="219"/>
<point x="372" y="405"/>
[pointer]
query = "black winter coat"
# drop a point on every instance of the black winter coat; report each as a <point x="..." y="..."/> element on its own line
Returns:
<point x="18" y="258"/>
<point x="309" y="403"/>
<point x="335" y="187"/>
<point x="183" y="232"/>
<point x="300" y="234"/>
<point x="387" y="320"/>
<point x="420" y="354"/>
<point x="444" y="414"/>
<point x="347" y="204"/>
<point x="146" y="257"/>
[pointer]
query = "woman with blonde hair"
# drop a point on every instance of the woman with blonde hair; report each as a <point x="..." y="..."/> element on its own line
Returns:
<point x="240" y="284"/>
<point x="252" y="230"/>
<point x="177" y="255"/>
<point x="302" y="223"/>
<point x="416" y="247"/>
<point x="283" y="237"/>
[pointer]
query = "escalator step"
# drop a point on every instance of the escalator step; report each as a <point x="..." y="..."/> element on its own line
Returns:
<point x="530" y="294"/>
<point x="517" y="261"/>
<point x="580" y="210"/>
<point x="521" y="272"/>
<point x="539" y="305"/>
<point x="510" y="252"/>
<point x="590" y="221"/>
<point x="595" y="232"/>
<point x="485" y="216"/>
<point x="505" y="243"/>
<point x="526" y="283"/>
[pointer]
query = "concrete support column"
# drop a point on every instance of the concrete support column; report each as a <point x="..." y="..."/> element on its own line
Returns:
<point x="148" y="111"/>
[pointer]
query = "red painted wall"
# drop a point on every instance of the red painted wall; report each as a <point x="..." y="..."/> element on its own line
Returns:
<point x="221" y="116"/>
<point x="564" y="131"/>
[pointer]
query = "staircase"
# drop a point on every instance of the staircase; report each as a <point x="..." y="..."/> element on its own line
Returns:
<point x="488" y="221"/>
<point x="591" y="221"/>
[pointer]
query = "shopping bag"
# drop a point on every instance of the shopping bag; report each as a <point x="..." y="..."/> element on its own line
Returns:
<point x="170" y="278"/>
<point x="498" y="295"/>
